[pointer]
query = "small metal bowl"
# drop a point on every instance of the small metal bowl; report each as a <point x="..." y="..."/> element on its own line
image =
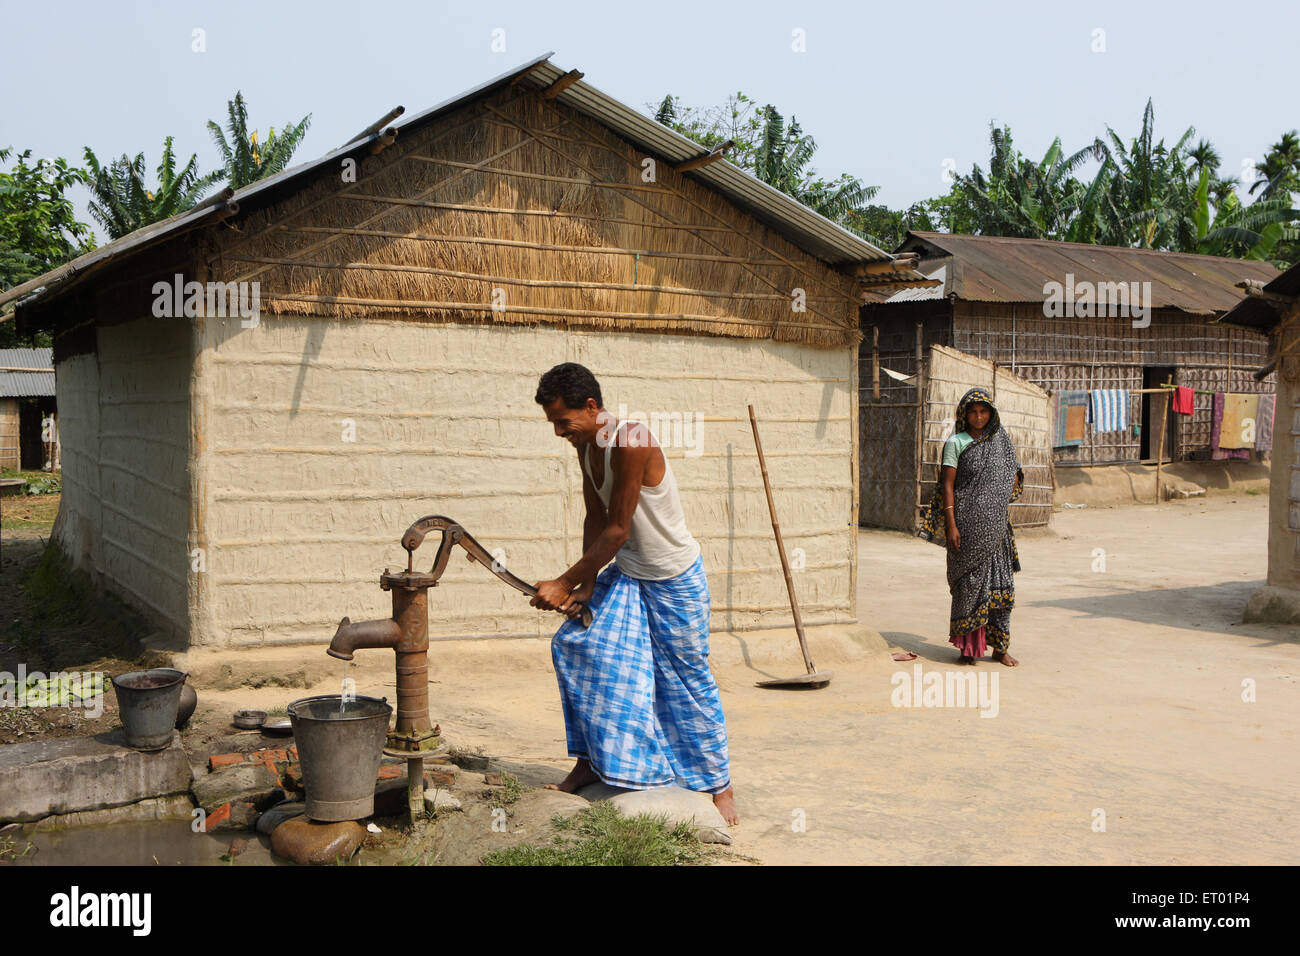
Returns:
<point x="249" y="719"/>
<point x="278" y="725"/>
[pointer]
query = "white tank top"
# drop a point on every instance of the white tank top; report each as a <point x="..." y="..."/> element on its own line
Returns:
<point x="658" y="545"/>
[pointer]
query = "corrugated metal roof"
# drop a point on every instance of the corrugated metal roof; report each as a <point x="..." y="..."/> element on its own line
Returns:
<point x="24" y="384"/>
<point x="807" y="229"/>
<point x="936" y="269"/>
<point x="1000" y="269"/>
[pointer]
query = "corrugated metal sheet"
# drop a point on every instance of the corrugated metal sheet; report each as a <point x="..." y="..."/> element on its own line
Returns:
<point x="807" y="229"/>
<point x="23" y="384"/>
<point x="999" y="269"/>
<point x="936" y="269"/>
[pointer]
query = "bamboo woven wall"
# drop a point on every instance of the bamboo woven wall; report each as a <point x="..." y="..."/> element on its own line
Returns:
<point x="887" y="423"/>
<point x="516" y="209"/>
<point x="1022" y="409"/>
<point x="1086" y="353"/>
<point x="10" y="454"/>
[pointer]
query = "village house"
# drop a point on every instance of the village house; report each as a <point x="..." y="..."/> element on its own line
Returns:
<point x="29" y="434"/>
<point x="240" y="465"/>
<point x="1063" y="318"/>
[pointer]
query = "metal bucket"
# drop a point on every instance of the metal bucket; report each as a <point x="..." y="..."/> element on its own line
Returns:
<point x="340" y="753"/>
<point x="147" y="702"/>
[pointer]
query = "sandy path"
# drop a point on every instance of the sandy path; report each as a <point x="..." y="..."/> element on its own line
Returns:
<point x="1129" y="701"/>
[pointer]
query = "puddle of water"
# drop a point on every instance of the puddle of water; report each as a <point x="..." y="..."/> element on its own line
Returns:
<point x="145" y="843"/>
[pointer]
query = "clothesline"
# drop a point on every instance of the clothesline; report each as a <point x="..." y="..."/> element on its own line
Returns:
<point x="1198" y="391"/>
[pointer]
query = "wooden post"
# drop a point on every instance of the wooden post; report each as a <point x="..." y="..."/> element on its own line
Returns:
<point x="875" y="361"/>
<point x="920" y="417"/>
<point x="1160" y="447"/>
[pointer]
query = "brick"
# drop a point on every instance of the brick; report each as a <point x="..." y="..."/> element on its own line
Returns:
<point x="217" y="817"/>
<point x="217" y="761"/>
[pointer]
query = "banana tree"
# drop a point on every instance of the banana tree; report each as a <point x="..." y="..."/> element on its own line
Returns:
<point x="1238" y="230"/>
<point x="244" y="159"/>
<point x="121" y="202"/>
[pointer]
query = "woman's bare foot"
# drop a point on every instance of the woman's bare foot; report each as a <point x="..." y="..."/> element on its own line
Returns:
<point x="1005" y="658"/>
<point x="726" y="804"/>
<point x="578" y="777"/>
<point x="965" y="659"/>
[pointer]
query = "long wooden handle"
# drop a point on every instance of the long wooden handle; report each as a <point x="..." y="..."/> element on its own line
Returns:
<point x="780" y="546"/>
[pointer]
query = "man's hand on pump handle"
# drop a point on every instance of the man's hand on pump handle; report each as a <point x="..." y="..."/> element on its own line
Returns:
<point x="558" y="595"/>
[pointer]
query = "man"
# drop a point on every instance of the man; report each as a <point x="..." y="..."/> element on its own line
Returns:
<point x="641" y="708"/>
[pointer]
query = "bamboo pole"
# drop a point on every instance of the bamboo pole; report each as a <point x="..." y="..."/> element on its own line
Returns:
<point x="1160" y="448"/>
<point x="704" y="320"/>
<point x="780" y="547"/>
<point x="511" y="280"/>
<point x="875" y="361"/>
<point x="920" y="417"/>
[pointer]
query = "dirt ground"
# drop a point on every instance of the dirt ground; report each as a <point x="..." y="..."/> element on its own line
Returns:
<point x="1128" y="701"/>
<point x="1127" y="711"/>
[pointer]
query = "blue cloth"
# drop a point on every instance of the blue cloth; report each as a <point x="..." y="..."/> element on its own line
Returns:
<point x="639" y="700"/>
<point x="1109" y="409"/>
<point x="1065" y="400"/>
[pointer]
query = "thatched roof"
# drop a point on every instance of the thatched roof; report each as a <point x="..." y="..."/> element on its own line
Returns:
<point x="578" y="213"/>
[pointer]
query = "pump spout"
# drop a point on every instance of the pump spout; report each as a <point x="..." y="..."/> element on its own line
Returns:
<point x="349" y="637"/>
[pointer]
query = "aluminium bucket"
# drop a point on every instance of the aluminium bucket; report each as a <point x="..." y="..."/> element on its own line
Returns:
<point x="340" y="753"/>
<point x="147" y="702"/>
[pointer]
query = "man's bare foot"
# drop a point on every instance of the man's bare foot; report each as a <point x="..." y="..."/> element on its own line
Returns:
<point x="578" y="777"/>
<point x="1005" y="658"/>
<point x="726" y="804"/>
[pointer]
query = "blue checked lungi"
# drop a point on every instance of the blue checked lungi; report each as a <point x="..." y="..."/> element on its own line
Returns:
<point x="639" y="701"/>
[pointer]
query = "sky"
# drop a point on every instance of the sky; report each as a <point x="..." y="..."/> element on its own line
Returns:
<point x="895" y="94"/>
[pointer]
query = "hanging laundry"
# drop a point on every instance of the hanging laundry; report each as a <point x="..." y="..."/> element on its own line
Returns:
<point x="1264" y="423"/>
<point x="1071" y="410"/>
<point x="1217" y="452"/>
<point x="1237" y="430"/>
<point x="1109" y="409"/>
<point x="1184" y="400"/>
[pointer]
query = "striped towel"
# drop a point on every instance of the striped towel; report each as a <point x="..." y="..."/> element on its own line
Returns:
<point x="639" y="700"/>
<point x="1109" y="409"/>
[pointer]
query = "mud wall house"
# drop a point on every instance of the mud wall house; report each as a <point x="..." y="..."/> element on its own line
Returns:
<point x="245" y="481"/>
<point x="26" y="402"/>
<point x="997" y="299"/>
<point x="1273" y="309"/>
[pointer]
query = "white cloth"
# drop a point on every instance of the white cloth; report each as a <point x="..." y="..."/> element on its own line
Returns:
<point x="658" y="545"/>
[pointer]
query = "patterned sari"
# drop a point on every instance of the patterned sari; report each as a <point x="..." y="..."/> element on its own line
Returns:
<point x="980" y="574"/>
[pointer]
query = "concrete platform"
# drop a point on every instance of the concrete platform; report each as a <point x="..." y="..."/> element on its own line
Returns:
<point x="76" y="774"/>
<point x="1104" y="486"/>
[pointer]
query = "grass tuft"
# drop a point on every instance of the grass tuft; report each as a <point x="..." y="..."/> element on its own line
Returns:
<point x="601" y="836"/>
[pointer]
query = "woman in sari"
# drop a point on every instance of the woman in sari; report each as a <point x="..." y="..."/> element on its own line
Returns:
<point x="979" y="478"/>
